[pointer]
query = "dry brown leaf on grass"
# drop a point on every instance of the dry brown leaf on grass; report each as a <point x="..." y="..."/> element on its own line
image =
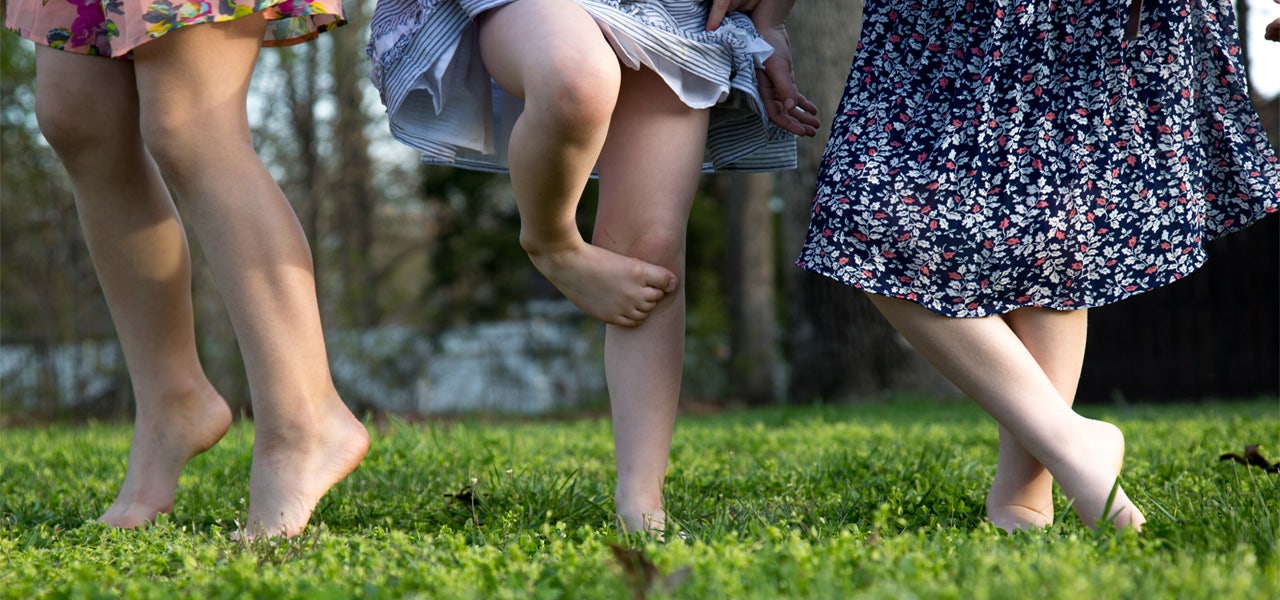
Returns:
<point x="464" y="496"/>
<point x="642" y="575"/>
<point x="1252" y="457"/>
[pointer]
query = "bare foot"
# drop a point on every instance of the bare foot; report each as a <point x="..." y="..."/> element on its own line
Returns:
<point x="613" y="288"/>
<point x="1011" y="516"/>
<point x="167" y="433"/>
<point x="1021" y="498"/>
<point x="1011" y="513"/>
<point x="1088" y="475"/>
<point x="652" y="521"/>
<point x="295" y="464"/>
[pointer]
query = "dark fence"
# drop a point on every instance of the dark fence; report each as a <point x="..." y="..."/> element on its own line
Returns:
<point x="1214" y="334"/>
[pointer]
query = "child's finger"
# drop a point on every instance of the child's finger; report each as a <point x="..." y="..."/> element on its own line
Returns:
<point x="806" y="112"/>
<point x="720" y="8"/>
<point x="800" y="128"/>
<point x="715" y="15"/>
<point x="797" y="120"/>
<point x="778" y="70"/>
<point x="807" y="105"/>
<point x="1273" y="29"/>
<point x="802" y="123"/>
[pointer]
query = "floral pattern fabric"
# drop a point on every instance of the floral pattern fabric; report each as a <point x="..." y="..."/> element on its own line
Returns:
<point x="115" y="27"/>
<point x="991" y="155"/>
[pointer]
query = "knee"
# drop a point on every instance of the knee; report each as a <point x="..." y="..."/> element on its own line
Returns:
<point x="77" y="130"/>
<point x="181" y="140"/>
<point x="164" y="134"/>
<point x="577" y="93"/>
<point x="664" y="248"/>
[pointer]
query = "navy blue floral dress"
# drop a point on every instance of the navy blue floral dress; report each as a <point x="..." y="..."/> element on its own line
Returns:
<point x="994" y="154"/>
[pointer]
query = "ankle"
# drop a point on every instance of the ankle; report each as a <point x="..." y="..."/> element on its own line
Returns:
<point x="550" y="241"/>
<point x="305" y="422"/>
<point x="653" y="520"/>
<point x="633" y="502"/>
<point x="176" y="393"/>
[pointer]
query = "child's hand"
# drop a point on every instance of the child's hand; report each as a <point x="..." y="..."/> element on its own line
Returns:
<point x="720" y="8"/>
<point x="1273" y="29"/>
<point x="786" y="106"/>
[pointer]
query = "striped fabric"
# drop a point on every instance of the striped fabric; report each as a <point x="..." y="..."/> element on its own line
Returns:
<point x="440" y="100"/>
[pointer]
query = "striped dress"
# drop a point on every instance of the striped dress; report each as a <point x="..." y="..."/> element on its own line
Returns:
<point x="442" y="102"/>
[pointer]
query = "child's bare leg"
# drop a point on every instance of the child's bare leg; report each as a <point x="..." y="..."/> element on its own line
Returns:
<point x="986" y="360"/>
<point x="1022" y="493"/>
<point x="140" y="254"/>
<point x="192" y="87"/>
<point x="551" y="53"/>
<point x="649" y="172"/>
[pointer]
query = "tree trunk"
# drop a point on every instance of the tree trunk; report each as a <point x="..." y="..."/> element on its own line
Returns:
<point x="750" y="286"/>
<point x="352" y="187"/>
<point x="840" y="347"/>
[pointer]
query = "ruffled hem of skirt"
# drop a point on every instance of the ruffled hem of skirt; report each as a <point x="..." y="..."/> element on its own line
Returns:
<point x="282" y="30"/>
<point x="441" y="102"/>
<point x="992" y="304"/>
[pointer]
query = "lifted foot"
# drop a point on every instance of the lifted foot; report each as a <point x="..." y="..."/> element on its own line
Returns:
<point x="616" y="289"/>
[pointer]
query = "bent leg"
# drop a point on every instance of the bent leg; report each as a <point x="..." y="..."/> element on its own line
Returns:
<point x="139" y="252"/>
<point x="551" y="53"/>
<point x="1022" y="492"/>
<point x="649" y="172"/>
<point x="192" y="86"/>
<point x="986" y="360"/>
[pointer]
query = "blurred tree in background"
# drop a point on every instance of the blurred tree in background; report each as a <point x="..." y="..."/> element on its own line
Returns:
<point x="49" y="297"/>
<point x="839" y="346"/>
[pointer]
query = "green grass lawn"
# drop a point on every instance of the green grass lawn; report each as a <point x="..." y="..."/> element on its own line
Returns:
<point x="833" y="502"/>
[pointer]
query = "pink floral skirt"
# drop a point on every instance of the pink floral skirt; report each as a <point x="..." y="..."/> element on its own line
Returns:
<point x="115" y="27"/>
